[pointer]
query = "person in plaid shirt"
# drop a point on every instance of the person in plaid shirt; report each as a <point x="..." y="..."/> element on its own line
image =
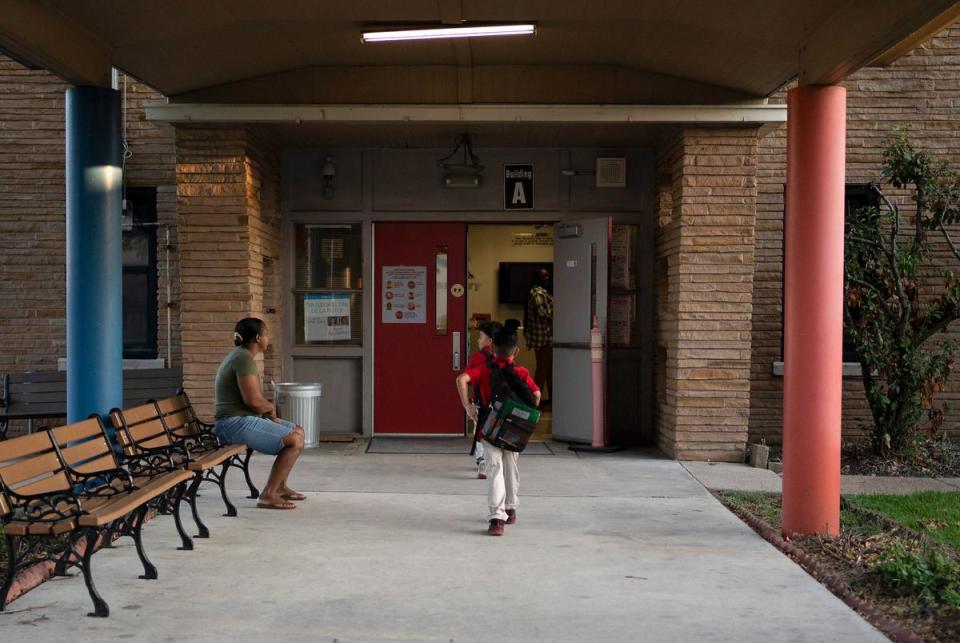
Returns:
<point x="538" y="328"/>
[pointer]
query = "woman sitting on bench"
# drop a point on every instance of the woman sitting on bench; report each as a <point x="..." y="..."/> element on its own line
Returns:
<point x="244" y="416"/>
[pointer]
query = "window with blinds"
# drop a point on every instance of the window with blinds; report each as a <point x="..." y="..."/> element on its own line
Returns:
<point x="328" y="284"/>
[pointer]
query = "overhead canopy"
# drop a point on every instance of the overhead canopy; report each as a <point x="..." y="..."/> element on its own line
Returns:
<point x="617" y="51"/>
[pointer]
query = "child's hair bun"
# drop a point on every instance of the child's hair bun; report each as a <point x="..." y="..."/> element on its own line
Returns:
<point x="511" y="325"/>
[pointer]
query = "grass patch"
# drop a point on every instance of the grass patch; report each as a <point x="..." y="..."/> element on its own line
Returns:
<point x="934" y="513"/>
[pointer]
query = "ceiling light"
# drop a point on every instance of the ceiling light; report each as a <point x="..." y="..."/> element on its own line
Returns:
<point x="450" y="32"/>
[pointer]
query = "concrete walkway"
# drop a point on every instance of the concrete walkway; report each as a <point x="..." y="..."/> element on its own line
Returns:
<point x="617" y="547"/>
<point x="721" y="476"/>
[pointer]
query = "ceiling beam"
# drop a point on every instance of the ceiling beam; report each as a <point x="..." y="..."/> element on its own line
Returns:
<point x="34" y="33"/>
<point x="861" y="31"/>
<point x="757" y="114"/>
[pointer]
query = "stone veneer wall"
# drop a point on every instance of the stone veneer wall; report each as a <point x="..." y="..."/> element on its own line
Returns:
<point x="923" y="89"/>
<point x="705" y="251"/>
<point x="229" y="220"/>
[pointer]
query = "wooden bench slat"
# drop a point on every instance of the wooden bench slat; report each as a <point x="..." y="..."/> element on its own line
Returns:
<point x="24" y="445"/>
<point x="172" y="404"/>
<point x="57" y="482"/>
<point x="138" y="414"/>
<point x="215" y="458"/>
<point x="76" y="431"/>
<point x="29" y="468"/>
<point x="85" y="450"/>
<point x="146" y="430"/>
<point x="24" y="377"/>
<point x="128" y="502"/>
<point x="105" y="463"/>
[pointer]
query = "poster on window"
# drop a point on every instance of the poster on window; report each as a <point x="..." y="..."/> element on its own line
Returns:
<point x="404" y="295"/>
<point x="326" y="317"/>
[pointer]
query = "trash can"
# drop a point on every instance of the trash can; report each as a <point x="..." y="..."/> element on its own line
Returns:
<point x="300" y="403"/>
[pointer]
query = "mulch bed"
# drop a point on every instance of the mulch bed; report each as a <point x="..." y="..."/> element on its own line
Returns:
<point x="932" y="459"/>
<point x="844" y="565"/>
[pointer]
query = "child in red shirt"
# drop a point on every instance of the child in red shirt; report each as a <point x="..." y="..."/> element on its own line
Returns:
<point x="485" y="344"/>
<point x="502" y="473"/>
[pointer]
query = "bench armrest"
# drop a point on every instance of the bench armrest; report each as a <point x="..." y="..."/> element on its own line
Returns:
<point x="204" y="440"/>
<point x="102" y="484"/>
<point x="44" y="507"/>
<point x="152" y="462"/>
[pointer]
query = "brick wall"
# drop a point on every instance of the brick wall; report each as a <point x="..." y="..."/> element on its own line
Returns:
<point x="923" y="89"/>
<point x="33" y="207"/>
<point x="705" y="254"/>
<point x="228" y="217"/>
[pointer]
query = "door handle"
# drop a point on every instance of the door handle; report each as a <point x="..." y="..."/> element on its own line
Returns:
<point x="456" y="351"/>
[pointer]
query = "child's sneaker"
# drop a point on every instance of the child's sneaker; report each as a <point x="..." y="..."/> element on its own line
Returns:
<point x="511" y="516"/>
<point x="496" y="527"/>
<point x="481" y="469"/>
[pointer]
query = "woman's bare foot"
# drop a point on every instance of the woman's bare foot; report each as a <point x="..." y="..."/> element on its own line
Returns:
<point x="289" y="494"/>
<point x="274" y="502"/>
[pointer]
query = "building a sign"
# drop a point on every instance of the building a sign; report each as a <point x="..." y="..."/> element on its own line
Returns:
<point x="518" y="186"/>
<point x="404" y="295"/>
<point x="326" y="317"/>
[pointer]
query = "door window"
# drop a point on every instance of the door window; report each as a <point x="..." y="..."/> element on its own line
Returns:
<point x="328" y="284"/>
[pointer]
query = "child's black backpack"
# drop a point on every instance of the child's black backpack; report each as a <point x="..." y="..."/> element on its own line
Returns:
<point x="512" y="416"/>
<point x="505" y="384"/>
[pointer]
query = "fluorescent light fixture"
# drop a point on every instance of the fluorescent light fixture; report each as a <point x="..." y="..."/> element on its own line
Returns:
<point x="449" y="32"/>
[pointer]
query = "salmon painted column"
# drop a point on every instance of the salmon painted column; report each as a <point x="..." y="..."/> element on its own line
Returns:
<point x="813" y="309"/>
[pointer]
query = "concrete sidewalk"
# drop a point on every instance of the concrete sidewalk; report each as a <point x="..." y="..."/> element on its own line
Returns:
<point x="722" y="476"/>
<point x="617" y="547"/>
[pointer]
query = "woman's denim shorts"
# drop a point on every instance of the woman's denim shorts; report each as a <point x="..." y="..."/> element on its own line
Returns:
<point x="260" y="434"/>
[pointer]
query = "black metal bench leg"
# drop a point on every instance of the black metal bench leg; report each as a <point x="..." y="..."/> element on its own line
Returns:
<point x="222" y="481"/>
<point x="64" y="560"/>
<point x="254" y="492"/>
<point x="186" y="542"/>
<point x="3" y="430"/>
<point x="100" y="607"/>
<point x="11" y="570"/>
<point x="192" y="497"/>
<point x="149" y="569"/>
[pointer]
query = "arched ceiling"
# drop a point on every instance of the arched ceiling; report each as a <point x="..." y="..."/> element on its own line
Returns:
<point x="603" y="51"/>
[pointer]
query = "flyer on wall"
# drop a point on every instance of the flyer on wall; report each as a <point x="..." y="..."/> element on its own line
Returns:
<point x="404" y="295"/>
<point x="326" y="317"/>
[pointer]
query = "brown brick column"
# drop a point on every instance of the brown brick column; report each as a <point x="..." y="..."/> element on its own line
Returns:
<point x="705" y="253"/>
<point x="229" y="236"/>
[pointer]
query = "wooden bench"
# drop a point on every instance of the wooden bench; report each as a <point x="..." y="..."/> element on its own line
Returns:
<point x="170" y="427"/>
<point x="67" y="484"/>
<point x="36" y="395"/>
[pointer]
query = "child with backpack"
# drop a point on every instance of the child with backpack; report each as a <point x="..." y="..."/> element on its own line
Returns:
<point x="498" y="379"/>
<point x="486" y="329"/>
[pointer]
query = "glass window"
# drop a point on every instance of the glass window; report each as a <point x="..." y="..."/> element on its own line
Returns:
<point x="328" y="284"/>
<point x="140" y="274"/>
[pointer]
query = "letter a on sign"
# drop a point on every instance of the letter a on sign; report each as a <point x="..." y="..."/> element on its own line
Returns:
<point x="519" y="198"/>
<point x="518" y="186"/>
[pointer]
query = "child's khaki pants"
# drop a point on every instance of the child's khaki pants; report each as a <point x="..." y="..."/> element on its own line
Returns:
<point x="503" y="481"/>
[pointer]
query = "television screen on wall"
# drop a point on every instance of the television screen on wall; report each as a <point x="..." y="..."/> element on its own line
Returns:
<point x="516" y="279"/>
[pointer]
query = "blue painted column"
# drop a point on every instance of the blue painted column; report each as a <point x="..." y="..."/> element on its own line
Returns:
<point x="94" y="252"/>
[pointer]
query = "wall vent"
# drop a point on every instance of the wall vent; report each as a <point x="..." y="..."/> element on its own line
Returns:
<point x="611" y="172"/>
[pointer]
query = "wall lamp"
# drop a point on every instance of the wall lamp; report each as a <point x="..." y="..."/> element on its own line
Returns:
<point x="466" y="174"/>
<point x="328" y="172"/>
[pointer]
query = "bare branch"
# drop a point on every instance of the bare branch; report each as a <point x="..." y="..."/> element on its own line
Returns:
<point x="946" y="236"/>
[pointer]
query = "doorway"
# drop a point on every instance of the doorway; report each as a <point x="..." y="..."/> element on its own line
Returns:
<point x="501" y="262"/>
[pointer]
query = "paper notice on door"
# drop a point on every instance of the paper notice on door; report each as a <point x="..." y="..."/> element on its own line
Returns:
<point x="621" y="257"/>
<point x="326" y="317"/>
<point x="620" y="320"/>
<point x="403" y="297"/>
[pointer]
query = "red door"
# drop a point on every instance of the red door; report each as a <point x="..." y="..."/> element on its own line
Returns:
<point x="420" y="327"/>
